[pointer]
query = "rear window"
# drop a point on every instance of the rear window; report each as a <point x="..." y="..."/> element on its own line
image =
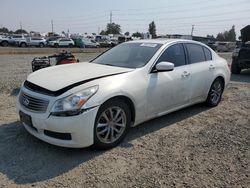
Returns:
<point x="208" y="54"/>
<point x="195" y="53"/>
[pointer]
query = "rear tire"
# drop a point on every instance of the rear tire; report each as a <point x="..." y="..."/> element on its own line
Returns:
<point x="70" y="45"/>
<point x="112" y="123"/>
<point x="215" y="93"/>
<point x="41" y="45"/>
<point x="56" y="45"/>
<point x="235" y="69"/>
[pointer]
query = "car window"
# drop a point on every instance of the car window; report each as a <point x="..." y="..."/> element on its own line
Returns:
<point x="129" y="55"/>
<point x="174" y="54"/>
<point x="195" y="53"/>
<point x="208" y="54"/>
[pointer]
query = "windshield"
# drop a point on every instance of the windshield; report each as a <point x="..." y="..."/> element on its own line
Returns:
<point x="129" y="55"/>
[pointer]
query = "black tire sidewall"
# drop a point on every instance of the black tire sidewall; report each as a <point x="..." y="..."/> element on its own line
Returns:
<point x="119" y="103"/>
<point x="209" y="101"/>
<point x="41" y="45"/>
<point x="23" y="45"/>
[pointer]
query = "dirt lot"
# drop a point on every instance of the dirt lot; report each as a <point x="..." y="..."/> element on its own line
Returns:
<point x="194" y="147"/>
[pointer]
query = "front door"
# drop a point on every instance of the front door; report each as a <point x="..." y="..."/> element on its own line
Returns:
<point x="169" y="90"/>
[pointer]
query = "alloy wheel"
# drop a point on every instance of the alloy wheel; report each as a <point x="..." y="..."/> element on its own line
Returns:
<point x="111" y="125"/>
<point x="216" y="92"/>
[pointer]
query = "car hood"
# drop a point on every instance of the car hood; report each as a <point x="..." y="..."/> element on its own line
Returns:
<point x="61" y="76"/>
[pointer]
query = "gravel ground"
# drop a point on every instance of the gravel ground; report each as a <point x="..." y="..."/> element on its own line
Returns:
<point x="194" y="147"/>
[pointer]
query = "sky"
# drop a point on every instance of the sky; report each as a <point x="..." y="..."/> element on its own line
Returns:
<point x="170" y="16"/>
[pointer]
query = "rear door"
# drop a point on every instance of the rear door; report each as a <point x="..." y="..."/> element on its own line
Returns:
<point x="201" y="67"/>
<point x="168" y="90"/>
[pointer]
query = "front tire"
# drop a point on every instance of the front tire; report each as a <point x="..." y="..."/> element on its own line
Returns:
<point x="41" y="45"/>
<point x="111" y="125"/>
<point x="23" y="45"/>
<point x="215" y="93"/>
<point x="5" y="43"/>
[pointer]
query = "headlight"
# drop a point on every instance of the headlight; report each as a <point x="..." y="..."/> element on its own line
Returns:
<point x="72" y="105"/>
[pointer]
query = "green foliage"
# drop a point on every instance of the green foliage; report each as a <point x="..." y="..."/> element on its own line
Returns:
<point x="210" y="36"/>
<point x="152" y="29"/>
<point x="227" y="35"/>
<point x="113" y="28"/>
<point x="21" y="31"/>
<point x="5" y="30"/>
<point x="137" y="34"/>
<point x="102" y="32"/>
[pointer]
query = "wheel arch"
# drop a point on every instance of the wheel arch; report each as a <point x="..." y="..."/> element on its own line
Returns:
<point x="126" y="100"/>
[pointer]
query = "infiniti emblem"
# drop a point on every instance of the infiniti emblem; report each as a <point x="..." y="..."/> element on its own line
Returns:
<point x="26" y="101"/>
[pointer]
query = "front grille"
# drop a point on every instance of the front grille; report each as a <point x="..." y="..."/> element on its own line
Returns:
<point x="33" y="103"/>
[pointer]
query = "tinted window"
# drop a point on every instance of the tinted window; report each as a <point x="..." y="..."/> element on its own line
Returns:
<point x="207" y="54"/>
<point x="195" y="53"/>
<point x="174" y="54"/>
<point x="130" y="55"/>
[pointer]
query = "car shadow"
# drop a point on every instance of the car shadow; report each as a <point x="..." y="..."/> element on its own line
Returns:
<point x="244" y="76"/>
<point x="25" y="159"/>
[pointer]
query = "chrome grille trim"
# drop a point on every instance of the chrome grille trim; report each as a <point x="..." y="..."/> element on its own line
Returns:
<point x="32" y="103"/>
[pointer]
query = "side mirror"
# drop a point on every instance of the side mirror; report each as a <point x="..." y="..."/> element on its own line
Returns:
<point x="164" y="66"/>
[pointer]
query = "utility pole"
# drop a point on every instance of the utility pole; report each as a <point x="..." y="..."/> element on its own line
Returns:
<point x="110" y="17"/>
<point x="52" y="25"/>
<point x="192" y="30"/>
<point x="21" y="26"/>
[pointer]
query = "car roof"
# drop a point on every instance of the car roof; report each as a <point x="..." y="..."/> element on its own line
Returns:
<point x="162" y="41"/>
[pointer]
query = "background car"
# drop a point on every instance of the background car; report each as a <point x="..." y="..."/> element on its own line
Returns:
<point x="18" y="40"/>
<point x="62" y="42"/>
<point x="36" y="41"/>
<point x="87" y="43"/>
<point x="241" y="55"/>
<point x="225" y="46"/>
<point x="4" y="41"/>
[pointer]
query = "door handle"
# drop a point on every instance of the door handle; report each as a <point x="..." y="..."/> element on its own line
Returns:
<point x="211" y="67"/>
<point x="185" y="74"/>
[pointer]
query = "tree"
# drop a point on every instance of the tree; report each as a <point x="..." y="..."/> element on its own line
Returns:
<point x="21" y="31"/>
<point x="137" y="34"/>
<point x="227" y="35"/>
<point x="113" y="28"/>
<point x="232" y="34"/>
<point x="102" y="32"/>
<point x="127" y="33"/>
<point x="5" y="30"/>
<point x="152" y="29"/>
<point x="210" y="36"/>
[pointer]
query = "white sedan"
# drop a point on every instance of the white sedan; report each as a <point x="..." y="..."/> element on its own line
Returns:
<point x="63" y="42"/>
<point x="95" y="103"/>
